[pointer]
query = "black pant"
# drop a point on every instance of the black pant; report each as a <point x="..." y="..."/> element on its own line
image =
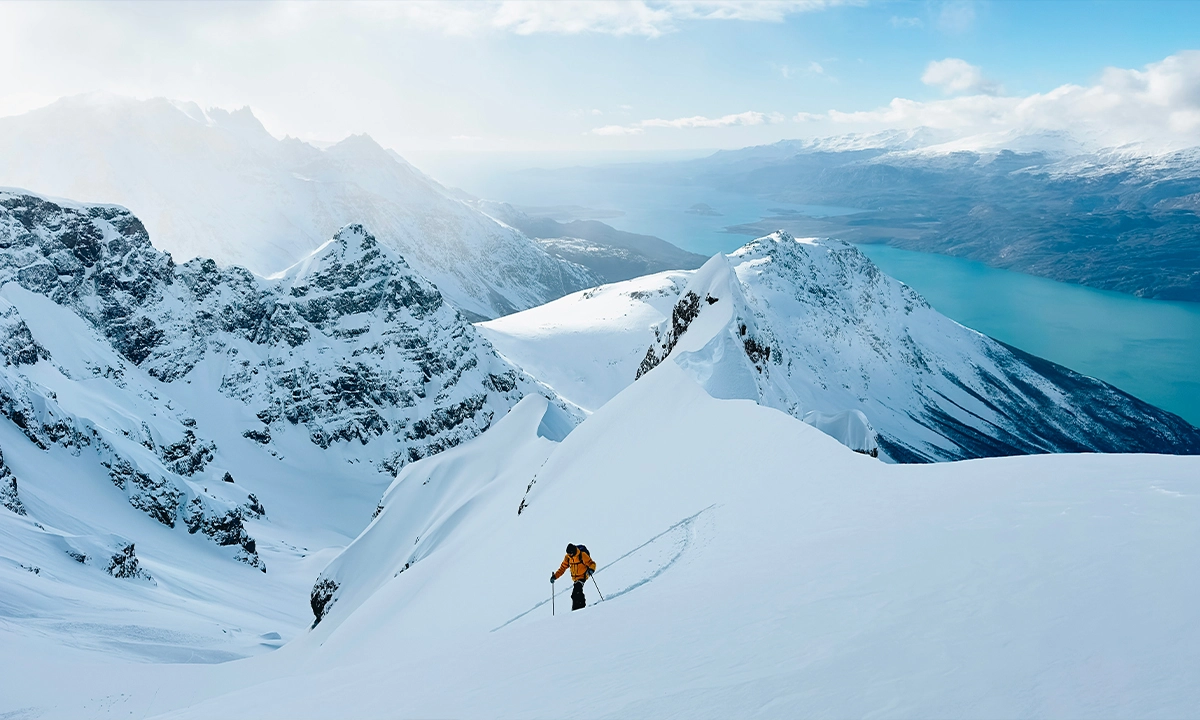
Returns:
<point x="577" y="598"/>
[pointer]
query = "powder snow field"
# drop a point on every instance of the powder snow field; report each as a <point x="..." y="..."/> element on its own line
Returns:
<point x="752" y="567"/>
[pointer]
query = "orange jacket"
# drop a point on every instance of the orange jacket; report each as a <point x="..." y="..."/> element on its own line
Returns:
<point x="579" y="563"/>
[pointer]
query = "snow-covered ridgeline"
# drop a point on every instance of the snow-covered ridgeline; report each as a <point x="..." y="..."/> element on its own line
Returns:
<point x="813" y="328"/>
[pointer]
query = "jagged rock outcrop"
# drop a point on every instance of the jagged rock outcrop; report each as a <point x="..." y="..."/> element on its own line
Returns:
<point x="324" y="594"/>
<point x="8" y="489"/>
<point x="124" y="564"/>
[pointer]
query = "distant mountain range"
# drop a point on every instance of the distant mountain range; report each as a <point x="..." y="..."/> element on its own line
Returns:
<point x="215" y="184"/>
<point x="1047" y="204"/>
<point x="613" y="255"/>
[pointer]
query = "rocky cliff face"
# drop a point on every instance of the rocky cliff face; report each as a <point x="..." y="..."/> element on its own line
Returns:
<point x="813" y="328"/>
<point x="101" y="334"/>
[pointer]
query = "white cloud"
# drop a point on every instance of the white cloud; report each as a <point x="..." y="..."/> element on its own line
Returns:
<point x="907" y="22"/>
<point x="953" y="75"/>
<point x="1158" y="106"/>
<point x="812" y="68"/>
<point x="697" y="121"/>
<point x="570" y="17"/>
<point x="646" y="18"/>
<point x="617" y="130"/>
<point x="956" y="17"/>
<point x="749" y="10"/>
<point x="746" y="118"/>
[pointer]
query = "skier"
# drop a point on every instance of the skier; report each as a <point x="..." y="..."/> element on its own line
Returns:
<point x="582" y="566"/>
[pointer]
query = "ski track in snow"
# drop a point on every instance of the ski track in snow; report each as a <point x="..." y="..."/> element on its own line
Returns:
<point x="685" y="536"/>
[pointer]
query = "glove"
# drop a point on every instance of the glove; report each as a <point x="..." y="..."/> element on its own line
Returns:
<point x="552" y="578"/>
<point x="589" y="572"/>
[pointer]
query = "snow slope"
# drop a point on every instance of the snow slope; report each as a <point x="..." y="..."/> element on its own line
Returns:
<point x="160" y="422"/>
<point x="588" y="345"/>
<point x="216" y="184"/>
<point x="813" y="328"/>
<point x="751" y="566"/>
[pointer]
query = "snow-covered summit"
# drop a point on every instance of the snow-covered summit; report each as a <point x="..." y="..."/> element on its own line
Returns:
<point x="215" y="184"/>
<point x="814" y="328"/>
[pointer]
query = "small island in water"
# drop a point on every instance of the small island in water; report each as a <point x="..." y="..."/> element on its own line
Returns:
<point x="703" y="209"/>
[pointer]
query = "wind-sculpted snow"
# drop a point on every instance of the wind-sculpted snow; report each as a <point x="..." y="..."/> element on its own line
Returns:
<point x="109" y="352"/>
<point x="217" y="185"/>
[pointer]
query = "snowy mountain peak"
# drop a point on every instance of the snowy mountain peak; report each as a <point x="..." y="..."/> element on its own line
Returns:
<point x="815" y="329"/>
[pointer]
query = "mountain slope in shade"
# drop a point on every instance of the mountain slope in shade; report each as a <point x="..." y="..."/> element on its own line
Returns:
<point x="813" y="328"/>
<point x="215" y="184"/>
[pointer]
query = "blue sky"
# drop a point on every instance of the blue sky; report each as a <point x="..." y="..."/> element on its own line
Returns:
<point x="625" y="76"/>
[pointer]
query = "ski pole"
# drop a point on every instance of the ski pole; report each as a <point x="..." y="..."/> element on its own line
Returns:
<point x="597" y="589"/>
<point x="552" y="598"/>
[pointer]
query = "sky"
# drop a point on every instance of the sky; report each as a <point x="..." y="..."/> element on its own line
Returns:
<point x="637" y="76"/>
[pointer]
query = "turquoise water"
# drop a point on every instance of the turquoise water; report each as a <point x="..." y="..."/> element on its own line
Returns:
<point x="1148" y="348"/>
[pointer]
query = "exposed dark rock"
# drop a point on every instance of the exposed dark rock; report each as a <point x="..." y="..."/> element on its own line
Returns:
<point x="160" y="499"/>
<point x="253" y="507"/>
<point x="682" y="315"/>
<point x="188" y="456"/>
<point x="225" y="529"/>
<point x="8" y="489"/>
<point x="17" y="346"/>
<point x="259" y="436"/>
<point x="322" y="598"/>
<point x="124" y="564"/>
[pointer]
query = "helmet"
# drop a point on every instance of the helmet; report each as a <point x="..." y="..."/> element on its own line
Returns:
<point x="571" y="549"/>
